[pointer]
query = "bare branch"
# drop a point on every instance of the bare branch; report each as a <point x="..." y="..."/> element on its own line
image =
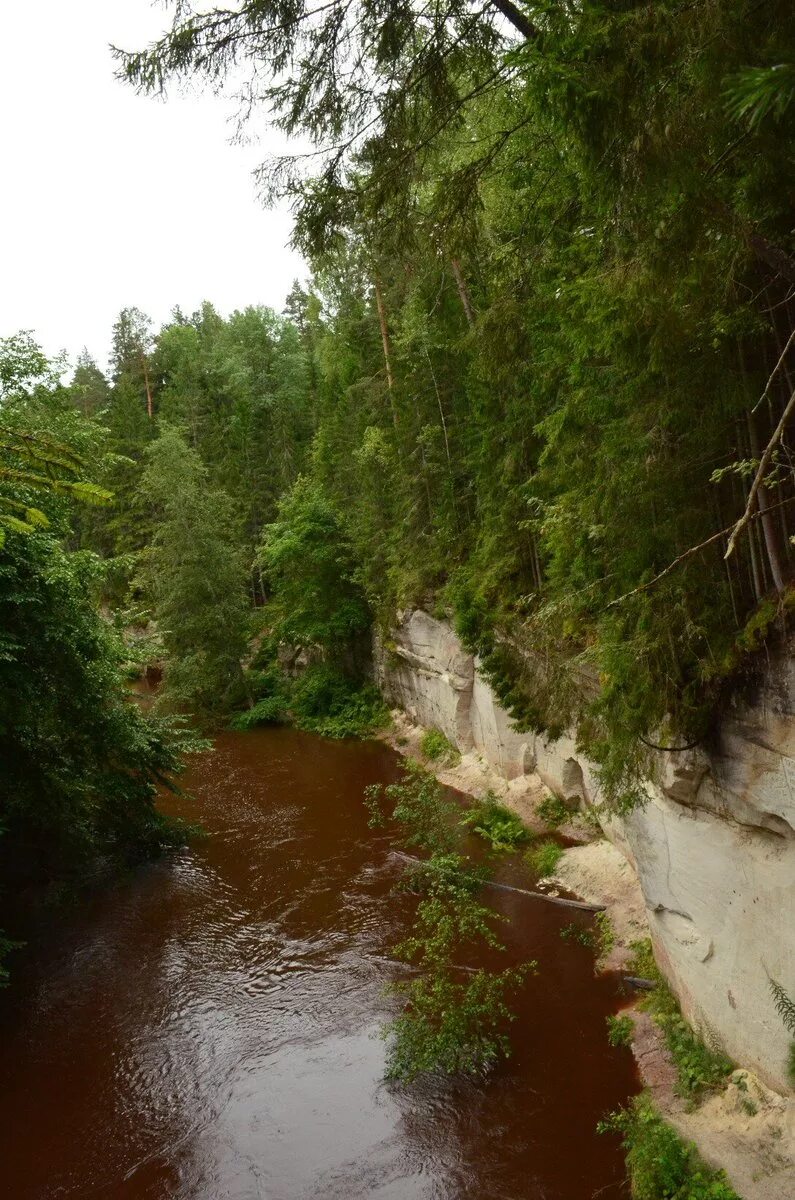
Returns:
<point x="644" y="587"/>
<point x="761" y="471"/>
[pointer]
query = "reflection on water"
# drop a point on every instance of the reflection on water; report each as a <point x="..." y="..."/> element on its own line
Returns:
<point x="209" y="1028"/>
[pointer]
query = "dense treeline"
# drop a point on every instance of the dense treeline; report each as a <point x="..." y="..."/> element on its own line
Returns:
<point x="553" y="249"/>
<point x="546" y="345"/>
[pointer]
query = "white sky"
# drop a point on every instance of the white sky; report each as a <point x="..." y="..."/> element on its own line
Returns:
<point x="111" y="199"/>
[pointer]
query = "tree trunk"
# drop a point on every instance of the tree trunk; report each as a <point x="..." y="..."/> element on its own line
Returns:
<point x="390" y="378"/>
<point x="463" y="291"/>
<point x="768" y="522"/>
<point x="149" y="411"/>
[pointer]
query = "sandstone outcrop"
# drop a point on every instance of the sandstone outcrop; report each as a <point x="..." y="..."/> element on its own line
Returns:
<point x="713" y="849"/>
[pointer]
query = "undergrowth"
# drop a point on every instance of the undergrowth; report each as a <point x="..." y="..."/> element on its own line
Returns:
<point x="553" y="811"/>
<point x="544" y="858"/>
<point x="700" y="1068"/>
<point x="496" y="824"/>
<point x="321" y="700"/>
<point x="660" y="1165"/>
<point x="619" y="1030"/>
<point x="438" y="749"/>
<point x="453" y="1021"/>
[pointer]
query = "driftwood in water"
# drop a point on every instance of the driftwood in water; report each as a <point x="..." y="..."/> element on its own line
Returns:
<point x="507" y="887"/>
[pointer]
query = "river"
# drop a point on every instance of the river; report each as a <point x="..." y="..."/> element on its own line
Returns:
<point x="207" y="1028"/>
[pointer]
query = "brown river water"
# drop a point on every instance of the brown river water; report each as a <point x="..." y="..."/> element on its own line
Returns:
<point x="207" y="1028"/>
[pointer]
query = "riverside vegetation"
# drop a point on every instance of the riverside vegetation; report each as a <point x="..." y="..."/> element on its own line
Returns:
<point x="540" y="380"/>
<point x="453" y="1021"/>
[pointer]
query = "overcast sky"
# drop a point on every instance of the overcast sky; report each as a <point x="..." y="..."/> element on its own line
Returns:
<point x="111" y="199"/>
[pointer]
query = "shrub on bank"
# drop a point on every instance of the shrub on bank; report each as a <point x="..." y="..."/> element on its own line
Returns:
<point x="660" y="1165"/>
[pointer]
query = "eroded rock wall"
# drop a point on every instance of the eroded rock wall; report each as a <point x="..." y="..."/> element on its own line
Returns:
<point x="714" y="847"/>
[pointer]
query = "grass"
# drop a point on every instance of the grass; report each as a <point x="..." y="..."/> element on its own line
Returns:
<point x="660" y="1165"/>
<point x="619" y="1030"/>
<point x="544" y="858"/>
<point x="437" y="748"/>
<point x="700" y="1069"/>
<point x="500" y="827"/>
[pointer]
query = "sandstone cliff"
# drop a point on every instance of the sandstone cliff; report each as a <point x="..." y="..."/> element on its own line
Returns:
<point x="714" y="847"/>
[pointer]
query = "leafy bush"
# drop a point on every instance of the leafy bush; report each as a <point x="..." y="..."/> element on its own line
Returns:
<point x="579" y="933"/>
<point x="500" y="827"/>
<point x="271" y="710"/>
<point x="451" y="1024"/>
<point x="544" y="858"/>
<point x="437" y="748"/>
<point x="659" y="1164"/>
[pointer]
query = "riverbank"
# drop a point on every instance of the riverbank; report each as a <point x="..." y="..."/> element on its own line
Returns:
<point x="747" y="1129"/>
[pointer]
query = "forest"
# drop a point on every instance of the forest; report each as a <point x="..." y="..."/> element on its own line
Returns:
<point x="539" y="382"/>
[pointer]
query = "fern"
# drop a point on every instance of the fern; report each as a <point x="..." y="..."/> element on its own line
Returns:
<point x="785" y="1006"/>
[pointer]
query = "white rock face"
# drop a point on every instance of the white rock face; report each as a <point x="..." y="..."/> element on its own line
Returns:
<point x="714" y="848"/>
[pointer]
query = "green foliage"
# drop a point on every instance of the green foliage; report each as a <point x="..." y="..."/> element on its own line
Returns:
<point x="553" y="811"/>
<point x="324" y="700"/>
<point x="80" y="764"/>
<point x="496" y="824"/>
<point x="316" y="600"/>
<point x="660" y="1165"/>
<point x="194" y="572"/>
<point x="643" y="963"/>
<point x="544" y="858"/>
<point x="605" y="933"/>
<point x="454" y="1021"/>
<point x="451" y="1027"/>
<point x="785" y="1007"/>
<point x="599" y="937"/>
<point x="533" y="247"/>
<point x="760" y="92"/>
<point x="584" y="934"/>
<point x="700" y="1068"/>
<point x="619" y="1030"/>
<point x="270" y="710"/>
<point x="437" y="748"/>
<point x="426" y="817"/>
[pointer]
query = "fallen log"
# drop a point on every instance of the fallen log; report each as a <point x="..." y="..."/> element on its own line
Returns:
<point x="507" y="887"/>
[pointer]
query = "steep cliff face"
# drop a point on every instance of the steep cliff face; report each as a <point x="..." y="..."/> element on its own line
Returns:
<point x="714" y="847"/>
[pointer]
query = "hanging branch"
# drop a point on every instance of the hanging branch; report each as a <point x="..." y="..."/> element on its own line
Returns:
<point x="761" y="470"/>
